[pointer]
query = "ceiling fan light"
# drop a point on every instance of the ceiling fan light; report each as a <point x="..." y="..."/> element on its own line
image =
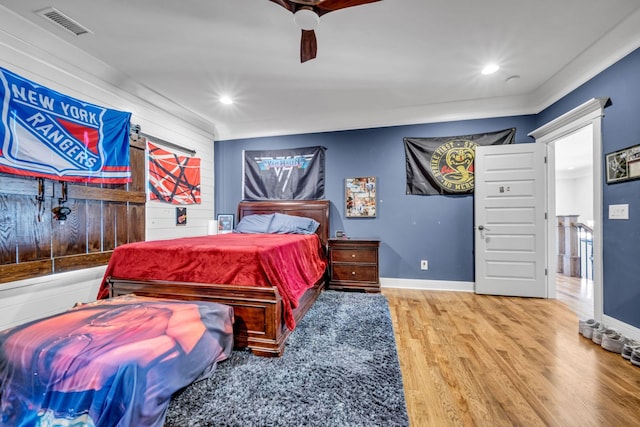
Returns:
<point x="306" y="19"/>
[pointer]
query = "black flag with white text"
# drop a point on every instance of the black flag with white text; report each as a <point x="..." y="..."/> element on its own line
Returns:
<point x="289" y="174"/>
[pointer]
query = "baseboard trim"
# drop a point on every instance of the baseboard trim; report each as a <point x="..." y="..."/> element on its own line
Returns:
<point x="431" y="285"/>
<point x="626" y="329"/>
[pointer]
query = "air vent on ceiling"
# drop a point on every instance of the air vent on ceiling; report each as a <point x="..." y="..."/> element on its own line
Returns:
<point x="63" y="21"/>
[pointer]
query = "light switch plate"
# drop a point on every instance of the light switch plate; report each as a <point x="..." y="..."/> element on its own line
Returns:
<point x="619" y="211"/>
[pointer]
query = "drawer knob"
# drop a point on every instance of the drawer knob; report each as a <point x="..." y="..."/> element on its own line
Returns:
<point x="353" y="255"/>
<point x="353" y="273"/>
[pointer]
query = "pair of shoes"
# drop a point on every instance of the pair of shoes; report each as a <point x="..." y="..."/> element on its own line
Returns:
<point x="635" y="357"/>
<point x="584" y="324"/>
<point x="629" y="347"/>
<point x="600" y="332"/>
<point x="614" y="342"/>
<point x="589" y="327"/>
<point x="581" y="325"/>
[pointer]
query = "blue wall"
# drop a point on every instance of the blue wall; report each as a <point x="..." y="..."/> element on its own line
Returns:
<point x="440" y="228"/>
<point x="620" y="129"/>
<point x="411" y="228"/>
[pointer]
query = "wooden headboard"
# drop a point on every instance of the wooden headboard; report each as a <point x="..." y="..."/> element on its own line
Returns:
<point x="314" y="209"/>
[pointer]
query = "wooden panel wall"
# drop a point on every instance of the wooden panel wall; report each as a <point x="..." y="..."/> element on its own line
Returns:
<point x="34" y="243"/>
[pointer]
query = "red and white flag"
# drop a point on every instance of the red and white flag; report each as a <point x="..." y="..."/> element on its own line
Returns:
<point x="172" y="178"/>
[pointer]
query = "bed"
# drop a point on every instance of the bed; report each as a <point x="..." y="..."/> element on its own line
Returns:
<point x="112" y="362"/>
<point x="265" y="315"/>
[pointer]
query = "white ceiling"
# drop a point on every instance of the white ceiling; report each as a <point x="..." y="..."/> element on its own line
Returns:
<point x="391" y="62"/>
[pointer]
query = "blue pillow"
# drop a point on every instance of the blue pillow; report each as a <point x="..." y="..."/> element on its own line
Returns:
<point x="258" y="223"/>
<point x="290" y="224"/>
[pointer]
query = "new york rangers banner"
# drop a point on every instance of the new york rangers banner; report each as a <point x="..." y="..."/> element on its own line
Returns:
<point x="47" y="134"/>
<point x="444" y="165"/>
<point x="290" y="174"/>
<point x="172" y="178"/>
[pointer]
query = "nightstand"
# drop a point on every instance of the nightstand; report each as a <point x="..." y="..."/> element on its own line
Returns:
<point x="353" y="264"/>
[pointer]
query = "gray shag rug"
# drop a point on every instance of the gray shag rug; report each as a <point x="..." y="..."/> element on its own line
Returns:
<point x="339" y="368"/>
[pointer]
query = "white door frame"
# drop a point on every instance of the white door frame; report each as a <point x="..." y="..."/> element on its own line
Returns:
<point x="591" y="112"/>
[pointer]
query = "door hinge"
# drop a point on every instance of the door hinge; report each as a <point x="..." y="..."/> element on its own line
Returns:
<point x="545" y="271"/>
<point x="545" y="215"/>
<point x="545" y="159"/>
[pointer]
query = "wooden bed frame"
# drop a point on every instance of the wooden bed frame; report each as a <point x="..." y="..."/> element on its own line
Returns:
<point x="259" y="322"/>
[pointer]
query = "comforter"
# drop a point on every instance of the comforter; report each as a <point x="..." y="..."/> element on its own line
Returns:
<point x="291" y="262"/>
<point x="115" y="362"/>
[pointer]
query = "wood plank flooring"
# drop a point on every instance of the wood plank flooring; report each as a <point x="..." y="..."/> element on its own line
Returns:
<point x="577" y="294"/>
<point x="477" y="360"/>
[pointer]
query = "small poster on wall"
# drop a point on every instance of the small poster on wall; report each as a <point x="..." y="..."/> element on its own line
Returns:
<point x="360" y="197"/>
<point x="181" y="216"/>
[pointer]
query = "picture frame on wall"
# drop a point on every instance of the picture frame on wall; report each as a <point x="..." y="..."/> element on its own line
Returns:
<point x="181" y="216"/>
<point x="225" y="223"/>
<point x="623" y="165"/>
<point x="360" y="197"/>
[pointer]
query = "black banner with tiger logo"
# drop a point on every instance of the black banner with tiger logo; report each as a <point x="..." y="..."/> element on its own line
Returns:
<point x="444" y="165"/>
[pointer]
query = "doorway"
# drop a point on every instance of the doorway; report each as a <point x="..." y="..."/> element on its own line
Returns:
<point x="589" y="113"/>
<point x="574" y="216"/>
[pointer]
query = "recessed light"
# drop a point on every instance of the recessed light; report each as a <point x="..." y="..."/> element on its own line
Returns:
<point x="490" y="69"/>
<point x="226" y="100"/>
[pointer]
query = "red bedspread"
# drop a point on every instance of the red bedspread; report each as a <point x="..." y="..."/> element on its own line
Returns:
<point x="291" y="262"/>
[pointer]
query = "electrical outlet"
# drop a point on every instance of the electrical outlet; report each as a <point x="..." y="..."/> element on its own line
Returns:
<point x="424" y="264"/>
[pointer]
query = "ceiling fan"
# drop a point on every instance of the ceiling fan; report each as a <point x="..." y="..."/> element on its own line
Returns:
<point x="307" y="14"/>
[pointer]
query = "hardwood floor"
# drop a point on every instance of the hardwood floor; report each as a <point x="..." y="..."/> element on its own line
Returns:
<point x="476" y="360"/>
<point x="576" y="293"/>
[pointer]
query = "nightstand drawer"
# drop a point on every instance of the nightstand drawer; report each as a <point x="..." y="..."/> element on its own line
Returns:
<point x="354" y="273"/>
<point x="369" y="256"/>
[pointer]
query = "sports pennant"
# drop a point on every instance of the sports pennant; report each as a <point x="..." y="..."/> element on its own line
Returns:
<point x="444" y="165"/>
<point x="172" y="178"/>
<point x="47" y="134"/>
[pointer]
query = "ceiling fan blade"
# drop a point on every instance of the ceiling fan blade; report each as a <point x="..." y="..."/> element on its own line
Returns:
<point x="308" y="45"/>
<point x="330" y="5"/>
<point x="307" y="2"/>
<point x="286" y="4"/>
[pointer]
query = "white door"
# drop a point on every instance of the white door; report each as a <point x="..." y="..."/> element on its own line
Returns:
<point x="510" y="223"/>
